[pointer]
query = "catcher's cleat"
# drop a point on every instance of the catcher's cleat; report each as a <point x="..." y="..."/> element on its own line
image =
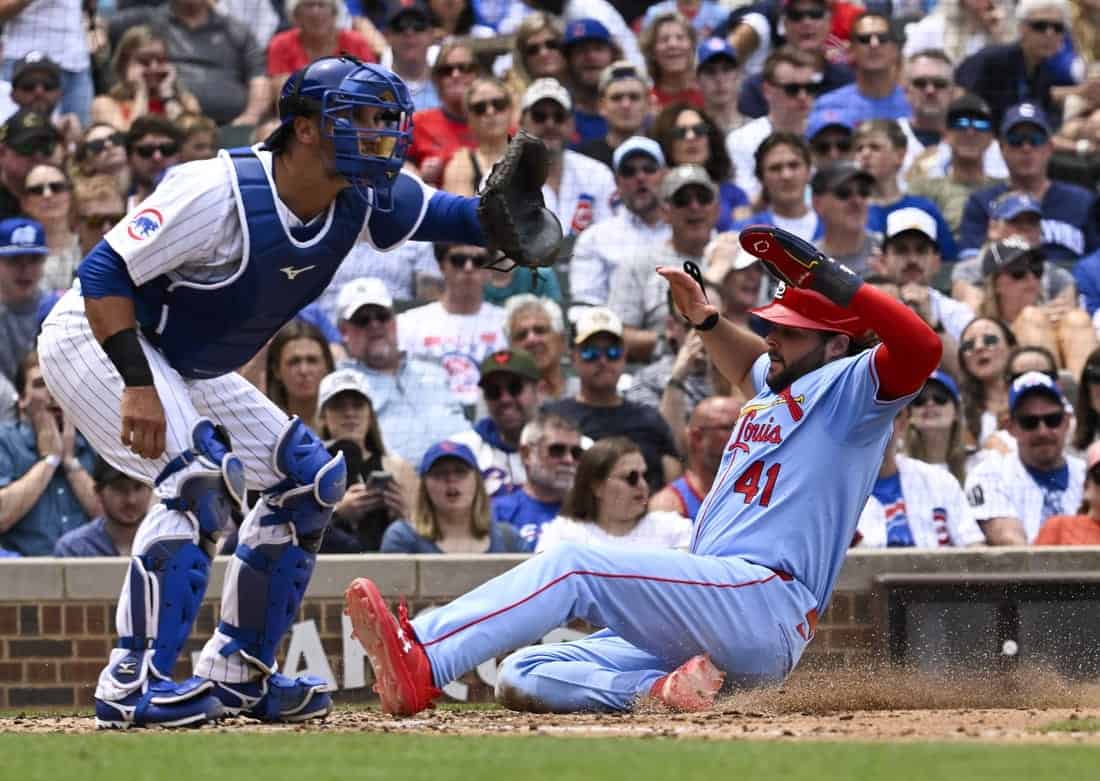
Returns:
<point x="799" y="263"/>
<point x="161" y="704"/>
<point x="403" y="674"/>
<point x="692" y="686"/>
<point x="276" y="698"/>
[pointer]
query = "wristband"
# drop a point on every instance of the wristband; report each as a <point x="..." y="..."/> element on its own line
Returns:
<point x="709" y="322"/>
<point x="53" y="459"/>
<point x="124" y="350"/>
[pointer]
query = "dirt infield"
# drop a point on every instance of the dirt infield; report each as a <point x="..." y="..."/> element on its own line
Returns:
<point x="844" y="706"/>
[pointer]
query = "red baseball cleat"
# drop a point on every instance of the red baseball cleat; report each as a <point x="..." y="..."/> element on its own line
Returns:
<point x="403" y="674"/>
<point x="690" y="687"/>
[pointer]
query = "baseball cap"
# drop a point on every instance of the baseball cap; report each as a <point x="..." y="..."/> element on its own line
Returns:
<point x="22" y="236"/>
<point x="546" y="89"/>
<point x="836" y="173"/>
<point x="801" y="308"/>
<point x="35" y="62"/>
<point x="360" y="292"/>
<point x="401" y="7"/>
<point x="681" y="176"/>
<point x="446" y="449"/>
<point x="1025" y="114"/>
<point x="910" y="219"/>
<point x="1011" y="205"/>
<point x="620" y="70"/>
<point x="518" y="362"/>
<point x="999" y="255"/>
<point x="947" y="381"/>
<point x="637" y="145"/>
<point x="1030" y="383"/>
<point x="585" y="30"/>
<point x="968" y="105"/>
<point x="25" y="125"/>
<point x="339" y="381"/>
<point x="597" y="320"/>
<point x="830" y="117"/>
<point x="711" y="48"/>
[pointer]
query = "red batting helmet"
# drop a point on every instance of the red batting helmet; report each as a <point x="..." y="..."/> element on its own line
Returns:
<point x="800" y="308"/>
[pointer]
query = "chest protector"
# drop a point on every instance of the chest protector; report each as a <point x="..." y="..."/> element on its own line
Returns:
<point x="206" y="330"/>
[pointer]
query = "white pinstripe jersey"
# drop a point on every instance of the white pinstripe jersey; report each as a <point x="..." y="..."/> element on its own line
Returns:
<point x="55" y="27"/>
<point x="935" y="507"/>
<point x="1000" y="487"/>
<point x="580" y="176"/>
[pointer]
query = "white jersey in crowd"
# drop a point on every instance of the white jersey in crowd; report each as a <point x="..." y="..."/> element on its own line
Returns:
<point x="604" y="247"/>
<point x="458" y="343"/>
<point x="53" y="27"/>
<point x="499" y="469"/>
<point x="656" y="530"/>
<point x="934" y="505"/>
<point x="638" y="295"/>
<point x="584" y="195"/>
<point x="1001" y="487"/>
<point x="742" y="143"/>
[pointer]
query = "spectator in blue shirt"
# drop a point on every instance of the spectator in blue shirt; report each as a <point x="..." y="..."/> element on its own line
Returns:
<point x="45" y="485"/>
<point x="125" y="502"/>
<point x="550" y="447"/>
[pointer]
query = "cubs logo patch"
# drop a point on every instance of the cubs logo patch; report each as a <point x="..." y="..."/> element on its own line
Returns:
<point x="144" y="224"/>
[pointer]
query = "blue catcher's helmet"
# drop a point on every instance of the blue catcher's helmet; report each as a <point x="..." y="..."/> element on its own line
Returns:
<point x="370" y="150"/>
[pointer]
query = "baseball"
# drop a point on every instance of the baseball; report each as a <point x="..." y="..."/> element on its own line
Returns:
<point x="1010" y="648"/>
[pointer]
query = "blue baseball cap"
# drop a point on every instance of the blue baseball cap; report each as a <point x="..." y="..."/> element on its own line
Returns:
<point x="711" y="48"/>
<point x="1030" y="383"/>
<point x="830" y="117"/>
<point x="585" y="30"/>
<point x="637" y="145"/>
<point x="446" y="449"/>
<point x="1025" y="114"/>
<point x="947" y="381"/>
<point x="20" y="236"/>
<point x="1011" y="205"/>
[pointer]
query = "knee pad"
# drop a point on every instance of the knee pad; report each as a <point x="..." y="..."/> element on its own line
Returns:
<point x="275" y="577"/>
<point x="313" y="482"/>
<point x="212" y="491"/>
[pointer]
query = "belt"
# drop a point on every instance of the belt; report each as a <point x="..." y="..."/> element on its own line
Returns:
<point x="807" y="628"/>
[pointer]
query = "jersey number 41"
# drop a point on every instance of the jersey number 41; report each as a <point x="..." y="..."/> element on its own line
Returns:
<point x="748" y="484"/>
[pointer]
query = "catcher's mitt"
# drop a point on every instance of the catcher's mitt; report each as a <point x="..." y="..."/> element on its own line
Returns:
<point x="513" y="216"/>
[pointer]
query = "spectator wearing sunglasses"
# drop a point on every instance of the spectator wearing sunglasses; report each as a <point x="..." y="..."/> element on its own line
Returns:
<point x="488" y="111"/>
<point x="638" y="297"/>
<point x="966" y="160"/>
<point x="412" y="398"/>
<point x="409" y="33"/>
<point x="841" y="195"/>
<point x="935" y="431"/>
<point x="440" y="131"/>
<point x="1008" y="73"/>
<point x="983" y="356"/>
<point x="914" y="504"/>
<point x="831" y="135"/>
<point x="599" y="409"/>
<point x="1084" y="527"/>
<point x="550" y="448"/>
<point x="588" y="48"/>
<point x="1069" y="219"/>
<point x="624" y="104"/>
<point x="509" y="380"/>
<point x="788" y="83"/>
<point x="36" y="85"/>
<point x="48" y="199"/>
<point x="929" y="87"/>
<point x="875" y="56"/>
<point x="102" y="151"/>
<point x="152" y="147"/>
<point x="27" y="138"/>
<point x="1087" y="405"/>
<point x="97" y="207"/>
<point x="536" y="52"/>
<point x="608" y="504"/>
<point x="314" y="33"/>
<point x="1013" y="496"/>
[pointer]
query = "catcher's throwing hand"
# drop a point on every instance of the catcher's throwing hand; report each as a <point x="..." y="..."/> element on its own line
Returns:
<point x="687" y="295"/>
<point x="512" y="213"/>
<point x="799" y="263"/>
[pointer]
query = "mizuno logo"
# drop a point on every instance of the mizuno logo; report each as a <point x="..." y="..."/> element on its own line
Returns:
<point x="127" y="668"/>
<point x="292" y="272"/>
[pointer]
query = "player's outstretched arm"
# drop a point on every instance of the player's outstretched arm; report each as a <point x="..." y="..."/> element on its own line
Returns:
<point x="732" y="348"/>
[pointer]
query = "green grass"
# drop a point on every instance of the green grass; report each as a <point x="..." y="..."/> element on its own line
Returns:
<point x="1088" y="724"/>
<point x="317" y="756"/>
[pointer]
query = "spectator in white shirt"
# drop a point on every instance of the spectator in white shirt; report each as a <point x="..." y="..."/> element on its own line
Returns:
<point x="607" y="504"/>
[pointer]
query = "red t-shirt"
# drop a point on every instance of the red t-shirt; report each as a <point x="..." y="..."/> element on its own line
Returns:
<point x="286" y="54"/>
<point x="1069" y="530"/>
<point x="439" y="135"/>
<point x="692" y="96"/>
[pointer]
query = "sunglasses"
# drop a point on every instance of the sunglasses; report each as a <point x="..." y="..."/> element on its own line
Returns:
<point x="493" y="391"/>
<point x="846" y="191"/>
<point x="792" y="88"/>
<point x="539" y="116"/>
<point x="923" y="82"/>
<point x="698" y="130"/>
<point x="408" y="25"/>
<point x="460" y="259"/>
<point x="455" y="69"/>
<point x="481" y="107"/>
<point x="971" y="344"/>
<point x="30" y="85"/>
<point x="102" y="222"/>
<point x="685" y="197"/>
<point x="1034" y="268"/>
<point x="971" y="123"/>
<point x="628" y="171"/>
<point x="1045" y="26"/>
<point x="796" y="15"/>
<point x="826" y="147"/>
<point x="626" y="97"/>
<point x="99" y="144"/>
<point x="536" y="330"/>
<point x="39" y="146"/>
<point x="559" y="450"/>
<point x="363" y="319"/>
<point x="1033" y="138"/>
<point x="937" y="397"/>
<point x="592" y="354"/>
<point x="151" y="59"/>
<point x="879" y="38"/>
<point x="531" y="49"/>
<point x="631" y="478"/>
<point x="48" y="187"/>
<point x="1051" y="420"/>
<point x="146" y="151"/>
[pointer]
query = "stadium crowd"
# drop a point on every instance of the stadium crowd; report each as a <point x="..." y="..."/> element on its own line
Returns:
<point x="946" y="150"/>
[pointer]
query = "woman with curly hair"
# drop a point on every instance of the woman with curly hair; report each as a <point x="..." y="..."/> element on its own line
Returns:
<point x="668" y="45"/>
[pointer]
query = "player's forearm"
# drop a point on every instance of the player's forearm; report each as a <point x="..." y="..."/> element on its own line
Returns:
<point x="910" y="349"/>
<point x="18" y="497"/>
<point x="259" y="99"/>
<point x="733" y="349"/>
<point x="109" y="315"/>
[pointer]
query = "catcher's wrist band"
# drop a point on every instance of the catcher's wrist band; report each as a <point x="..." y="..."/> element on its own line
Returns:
<point x="124" y="350"/>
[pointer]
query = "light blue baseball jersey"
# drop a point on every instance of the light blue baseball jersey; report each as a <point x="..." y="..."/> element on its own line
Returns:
<point x="797" y="471"/>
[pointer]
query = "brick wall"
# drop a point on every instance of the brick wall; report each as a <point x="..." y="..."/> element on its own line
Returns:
<point x="57" y="616"/>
